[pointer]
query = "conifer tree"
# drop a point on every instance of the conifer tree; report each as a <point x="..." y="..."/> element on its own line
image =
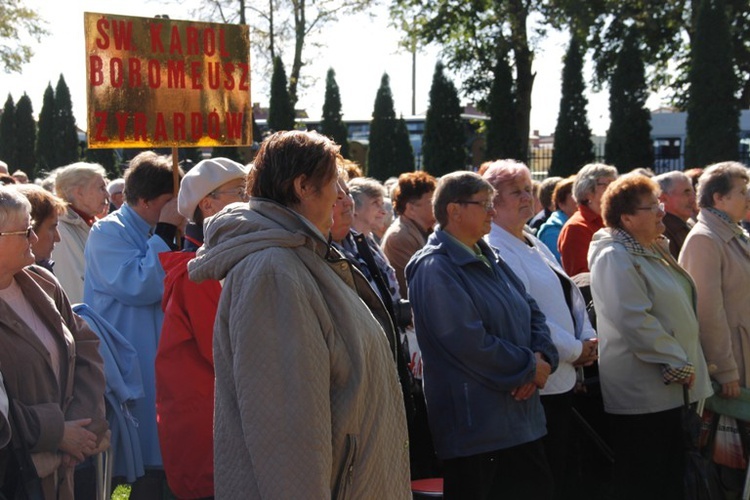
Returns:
<point x="332" y="125"/>
<point x="573" y="147"/>
<point x="106" y="158"/>
<point x="8" y="134"/>
<point x="403" y="152"/>
<point x="713" y="111"/>
<point x="281" y="111"/>
<point x="628" y="143"/>
<point x="25" y="136"/>
<point x="45" y="149"/>
<point x="65" y="138"/>
<point x="381" y="160"/>
<point x="443" y="144"/>
<point x="502" y="137"/>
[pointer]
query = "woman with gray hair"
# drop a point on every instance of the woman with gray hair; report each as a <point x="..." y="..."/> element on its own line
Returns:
<point x="486" y="350"/>
<point x="591" y="181"/>
<point x="82" y="186"/>
<point x="716" y="253"/>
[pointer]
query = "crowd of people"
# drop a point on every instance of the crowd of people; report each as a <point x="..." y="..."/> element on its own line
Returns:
<point x="293" y="329"/>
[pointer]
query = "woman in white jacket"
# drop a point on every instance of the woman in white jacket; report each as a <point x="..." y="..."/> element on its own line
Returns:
<point x="649" y="348"/>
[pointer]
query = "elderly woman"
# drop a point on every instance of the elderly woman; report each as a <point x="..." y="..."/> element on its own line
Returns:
<point x="82" y="186"/>
<point x="125" y="283"/>
<point x="307" y="402"/>
<point x="45" y="210"/>
<point x="576" y="234"/>
<point x="51" y="364"/>
<point x="565" y="207"/>
<point x="716" y="253"/>
<point x="486" y="351"/>
<point x="649" y="347"/>
<point x="557" y="296"/>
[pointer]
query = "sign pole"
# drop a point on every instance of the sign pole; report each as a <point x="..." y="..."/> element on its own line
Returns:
<point x="176" y="187"/>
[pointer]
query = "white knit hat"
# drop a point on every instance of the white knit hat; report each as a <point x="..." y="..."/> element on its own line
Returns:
<point x="202" y="179"/>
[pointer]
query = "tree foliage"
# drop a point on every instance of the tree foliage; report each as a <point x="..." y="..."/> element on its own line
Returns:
<point x="381" y="153"/>
<point x="713" y="113"/>
<point x="17" y="23"/>
<point x="502" y="135"/>
<point x="106" y="158"/>
<point x="65" y="138"/>
<point x="443" y="144"/>
<point x="25" y="136"/>
<point x="45" y="148"/>
<point x="281" y="110"/>
<point x="403" y="152"/>
<point x="573" y="147"/>
<point x="8" y="134"/>
<point x="332" y="125"/>
<point x="628" y="143"/>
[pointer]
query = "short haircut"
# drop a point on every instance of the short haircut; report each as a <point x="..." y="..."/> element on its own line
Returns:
<point x="502" y="171"/>
<point x="351" y="168"/>
<point x="586" y="179"/>
<point x="13" y="206"/>
<point x="287" y="155"/>
<point x="718" y="179"/>
<point x="457" y="186"/>
<point x="546" y="188"/>
<point x="74" y="176"/>
<point x="410" y="188"/>
<point x="116" y="186"/>
<point x="624" y="196"/>
<point x="563" y="191"/>
<point x="694" y="174"/>
<point x="362" y="188"/>
<point x="43" y="203"/>
<point x="669" y="179"/>
<point x="148" y="176"/>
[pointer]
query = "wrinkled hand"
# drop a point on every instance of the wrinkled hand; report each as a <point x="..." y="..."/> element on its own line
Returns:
<point x="103" y="443"/>
<point x="730" y="389"/>
<point x="524" y="392"/>
<point x="543" y="369"/>
<point x="77" y="441"/>
<point x="589" y="353"/>
<point x="170" y="215"/>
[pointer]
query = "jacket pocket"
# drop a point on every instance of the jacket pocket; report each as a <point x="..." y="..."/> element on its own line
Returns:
<point x="346" y="473"/>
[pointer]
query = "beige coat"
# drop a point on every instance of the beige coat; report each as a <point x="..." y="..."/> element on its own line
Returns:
<point x="719" y="263"/>
<point x="42" y="404"/>
<point x="402" y="240"/>
<point x="70" y="264"/>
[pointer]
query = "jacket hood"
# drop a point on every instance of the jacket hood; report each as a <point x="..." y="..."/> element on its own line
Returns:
<point x="243" y="229"/>
<point x="601" y="240"/>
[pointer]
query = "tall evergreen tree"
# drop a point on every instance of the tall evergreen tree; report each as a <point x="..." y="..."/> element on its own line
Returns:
<point x="628" y="143"/>
<point x="332" y="125"/>
<point x="573" y="147"/>
<point x="106" y="158"/>
<point x="65" y="139"/>
<point x="8" y="134"/>
<point x="443" y="145"/>
<point x="381" y="160"/>
<point x="403" y="152"/>
<point x="25" y="136"/>
<point x="502" y="137"/>
<point x="713" y="111"/>
<point x="281" y="110"/>
<point x="45" y="148"/>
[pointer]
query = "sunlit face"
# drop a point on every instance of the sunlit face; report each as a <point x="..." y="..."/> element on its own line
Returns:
<point x="595" y="200"/>
<point x="680" y="199"/>
<point x="514" y="203"/>
<point x="318" y="206"/>
<point x="343" y="212"/>
<point x="229" y="192"/>
<point x="735" y="203"/>
<point x="369" y="216"/>
<point x="16" y="249"/>
<point x="474" y="217"/>
<point x="420" y="211"/>
<point x="47" y="235"/>
<point x="91" y="198"/>
<point x="645" y="225"/>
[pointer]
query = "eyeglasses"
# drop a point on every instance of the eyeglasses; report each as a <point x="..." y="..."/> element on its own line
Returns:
<point x="659" y="207"/>
<point x="239" y="192"/>
<point x="603" y="184"/>
<point x="26" y="232"/>
<point x="487" y="205"/>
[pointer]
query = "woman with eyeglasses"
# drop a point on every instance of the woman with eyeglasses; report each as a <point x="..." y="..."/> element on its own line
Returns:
<point x="648" y="341"/>
<point x="486" y="349"/>
<point x="716" y="253"/>
<point x="184" y="358"/>
<point x="50" y="361"/>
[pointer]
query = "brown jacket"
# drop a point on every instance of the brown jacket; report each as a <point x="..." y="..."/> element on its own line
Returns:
<point x="719" y="263"/>
<point x="676" y="230"/>
<point x="42" y="404"/>
<point x="402" y="240"/>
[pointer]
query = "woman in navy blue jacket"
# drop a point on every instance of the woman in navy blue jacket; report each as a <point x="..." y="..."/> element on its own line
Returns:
<point x="486" y="351"/>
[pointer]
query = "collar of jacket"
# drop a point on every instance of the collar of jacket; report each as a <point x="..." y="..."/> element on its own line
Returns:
<point x="720" y="225"/>
<point x="458" y="253"/>
<point x="633" y="246"/>
<point x="292" y="221"/>
<point x="411" y="222"/>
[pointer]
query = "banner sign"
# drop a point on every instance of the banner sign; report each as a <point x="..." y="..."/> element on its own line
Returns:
<point x="155" y="82"/>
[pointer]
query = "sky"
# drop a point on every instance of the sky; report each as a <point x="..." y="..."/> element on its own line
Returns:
<point x="359" y="48"/>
